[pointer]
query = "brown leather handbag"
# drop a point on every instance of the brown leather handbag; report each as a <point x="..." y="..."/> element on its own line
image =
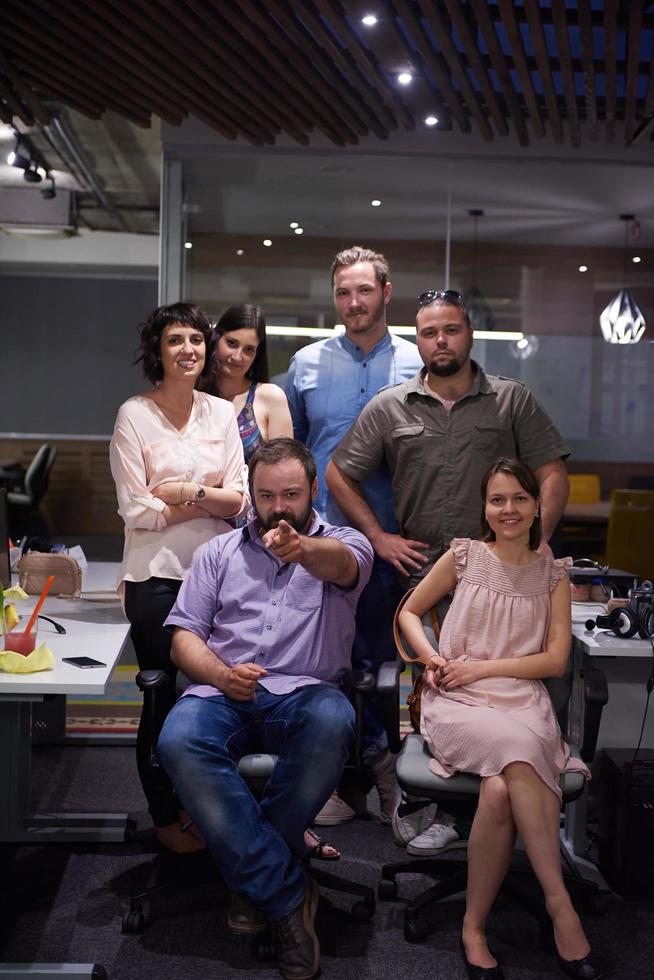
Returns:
<point x="414" y="696"/>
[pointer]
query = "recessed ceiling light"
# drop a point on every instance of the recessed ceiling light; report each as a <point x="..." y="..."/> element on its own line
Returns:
<point x="188" y="244"/>
<point x="299" y="231"/>
<point x="431" y="120"/>
<point x="294" y="224"/>
<point x="375" y="203"/>
<point x="522" y="343"/>
<point x="369" y="20"/>
<point x="583" y="268"/>
<point x="239" y="251"/>
<point x="267" y="242"/>
<point x="636" y="258"/>
<point x="405" y="78"/>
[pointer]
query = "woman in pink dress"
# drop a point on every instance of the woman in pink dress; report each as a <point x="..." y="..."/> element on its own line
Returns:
<point x="486" y="710"/>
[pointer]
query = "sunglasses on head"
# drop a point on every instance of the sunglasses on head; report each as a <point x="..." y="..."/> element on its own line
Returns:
<point x="431" y="295"/>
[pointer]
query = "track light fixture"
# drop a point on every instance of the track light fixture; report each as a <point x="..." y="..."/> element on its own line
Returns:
<point x="49" y="192"/>
<point x="20" y="156"/>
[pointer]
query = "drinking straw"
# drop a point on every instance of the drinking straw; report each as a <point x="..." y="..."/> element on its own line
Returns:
<point x="37" y="607"/>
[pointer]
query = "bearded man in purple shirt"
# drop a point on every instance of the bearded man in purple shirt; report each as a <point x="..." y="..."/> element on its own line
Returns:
<point x="263" y="627"/>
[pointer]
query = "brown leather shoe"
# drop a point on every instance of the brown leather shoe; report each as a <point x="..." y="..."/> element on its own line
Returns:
<point x="299" y="949"/>
<point x="243" y="917"/>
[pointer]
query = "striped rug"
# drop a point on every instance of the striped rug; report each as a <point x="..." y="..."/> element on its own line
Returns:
<point x="117" y="712"/>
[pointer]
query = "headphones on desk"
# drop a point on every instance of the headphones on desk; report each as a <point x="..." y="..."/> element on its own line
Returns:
<point x="627" y="621"/>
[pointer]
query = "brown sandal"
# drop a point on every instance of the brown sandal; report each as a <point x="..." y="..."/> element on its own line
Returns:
<point x="321" y="848"/>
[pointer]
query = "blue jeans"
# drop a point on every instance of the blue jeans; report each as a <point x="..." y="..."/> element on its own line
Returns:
<point x="257" y="845"/>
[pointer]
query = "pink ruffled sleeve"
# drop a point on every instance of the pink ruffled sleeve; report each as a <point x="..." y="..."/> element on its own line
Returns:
<point x="460" y="548"/>
<point x="559" y="568"/>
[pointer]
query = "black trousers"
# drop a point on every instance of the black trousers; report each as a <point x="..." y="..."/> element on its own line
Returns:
<point x="147" y="605"/>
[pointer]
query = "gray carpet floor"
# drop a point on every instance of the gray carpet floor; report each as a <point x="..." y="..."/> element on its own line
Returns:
<point x="65" y="904"/>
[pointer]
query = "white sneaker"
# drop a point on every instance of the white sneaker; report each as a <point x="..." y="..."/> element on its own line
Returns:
<point x="436" y="838"/>
<point x="335" y="811"/>
<point x="407" y="827"/>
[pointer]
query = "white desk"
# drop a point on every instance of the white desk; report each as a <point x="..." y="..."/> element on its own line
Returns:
<point x="94" y="629"/>
<point x="626" y="665"/>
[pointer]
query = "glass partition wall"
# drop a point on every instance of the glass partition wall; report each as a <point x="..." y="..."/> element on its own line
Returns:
<point x="544" y="258"/>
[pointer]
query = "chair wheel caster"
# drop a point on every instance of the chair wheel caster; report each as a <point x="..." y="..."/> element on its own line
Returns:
<point x="133" y="922"/>
<point x="386" y="890"/>
<point x="362" y="911"/>
<point x="415" y="930"/>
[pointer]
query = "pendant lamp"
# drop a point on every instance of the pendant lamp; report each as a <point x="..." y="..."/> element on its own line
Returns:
<point x="622" y="321"/>
<point x="481" y="317"/>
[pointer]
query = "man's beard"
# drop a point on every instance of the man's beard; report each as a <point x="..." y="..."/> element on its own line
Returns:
<point x="373" y="318"/>
<point x="299" y="523"/>
<point x="447" y="369"/>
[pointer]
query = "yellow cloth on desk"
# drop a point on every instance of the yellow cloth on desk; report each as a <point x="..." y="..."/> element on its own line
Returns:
<point x="15" y="663"/>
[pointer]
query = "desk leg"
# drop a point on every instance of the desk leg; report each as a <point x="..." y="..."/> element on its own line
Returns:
<point x="17" y="825"/>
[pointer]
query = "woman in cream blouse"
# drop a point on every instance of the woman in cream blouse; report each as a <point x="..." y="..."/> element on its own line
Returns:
<point x="177" y="461"/>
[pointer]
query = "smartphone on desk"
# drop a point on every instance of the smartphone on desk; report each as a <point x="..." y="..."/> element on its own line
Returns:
<point x="83" y="662"/>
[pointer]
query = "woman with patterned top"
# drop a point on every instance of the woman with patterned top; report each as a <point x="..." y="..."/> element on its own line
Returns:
<point x="240" y="376"/>
<point x="177" y="461"/>
<point x="486" y="710"/>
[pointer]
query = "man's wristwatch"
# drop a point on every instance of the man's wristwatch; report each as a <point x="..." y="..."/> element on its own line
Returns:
<point x="200" y="494"/>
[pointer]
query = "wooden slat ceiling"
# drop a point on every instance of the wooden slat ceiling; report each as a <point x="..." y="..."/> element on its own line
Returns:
<point x="254" y="69"/>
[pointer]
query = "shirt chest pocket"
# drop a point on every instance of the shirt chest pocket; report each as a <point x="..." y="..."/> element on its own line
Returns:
<point x="408" y="442"/>
<point x="493" y="438"/>
<point x="303" y="592"/>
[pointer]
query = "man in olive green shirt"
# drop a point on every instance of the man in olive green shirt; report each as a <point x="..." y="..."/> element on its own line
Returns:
<point x="438" y="433"/>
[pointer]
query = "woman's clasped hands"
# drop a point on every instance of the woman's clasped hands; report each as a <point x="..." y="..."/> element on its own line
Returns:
<point x="444" y="675"/>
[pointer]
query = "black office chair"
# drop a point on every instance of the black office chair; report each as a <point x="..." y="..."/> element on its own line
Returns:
<point x="257" y="768"/>
<point x="26" y="492"/>
<point x="458" y="795"/>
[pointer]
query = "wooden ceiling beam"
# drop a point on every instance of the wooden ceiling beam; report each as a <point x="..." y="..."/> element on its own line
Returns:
<point x="322" y="38"/>
<point x="58" y="53"/>
<point x="234" y="101"/>
<point x="307" y="73"/>
<point x="434" y="61"/>
<point x="432" y="16"/>
<point x="15" y="105"/>
<point x="533" y="13"/>
<point x="633" y="59"/>
<point x="24" y="92"/>
<point x="559" y="13"/>
<point x="587" y="57"/>
<point x="56" y="89"/>
<point x="241" y="71"/>
<point x="334" y="126"/>
<point x="610" y="43"/>
<point x="473" y="56"/>
<point x="322" y="65"/>
<point x="170" y="51"/>
<point x="487" y="28"/>
<point x="144" y="61"/>
<point x="508" y="13"/>
<point x="333" y="10"/>
<point x="649" y="97"/>
<point x="67" y="21"/>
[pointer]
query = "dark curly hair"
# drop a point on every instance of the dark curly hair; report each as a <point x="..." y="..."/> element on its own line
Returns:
<point x="528" y="482"/>
<point x="151" y="332"/>
<point x="278" y="451"/>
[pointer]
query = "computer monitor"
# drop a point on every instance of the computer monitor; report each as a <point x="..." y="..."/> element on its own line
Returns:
<point x="5" y="568"/>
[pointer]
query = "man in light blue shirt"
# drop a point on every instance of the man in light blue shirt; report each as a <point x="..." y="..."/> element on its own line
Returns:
<point x="328" y="385"/>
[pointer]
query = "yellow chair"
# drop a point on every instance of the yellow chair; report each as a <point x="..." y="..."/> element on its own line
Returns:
<point x="584" y="488"/>
<point x="630" y="541"/>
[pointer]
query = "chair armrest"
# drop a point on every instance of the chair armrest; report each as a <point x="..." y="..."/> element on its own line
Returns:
<point x="596" y="695"/>
<point x="359" y="680"/>
<point x="388" y="701"/>
<point x="147" y="680"/>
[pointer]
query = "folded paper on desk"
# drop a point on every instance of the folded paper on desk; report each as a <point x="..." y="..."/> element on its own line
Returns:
<point x="36" y="567"/>
<point x="15" y="663"/>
